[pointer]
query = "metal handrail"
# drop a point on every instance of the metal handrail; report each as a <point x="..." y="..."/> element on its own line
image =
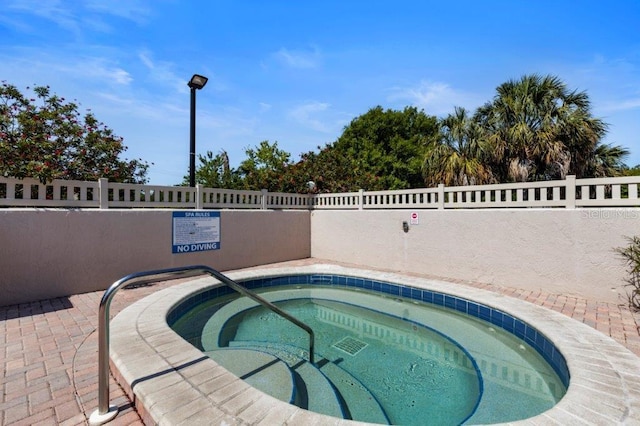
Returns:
<point x="106" y="412"/>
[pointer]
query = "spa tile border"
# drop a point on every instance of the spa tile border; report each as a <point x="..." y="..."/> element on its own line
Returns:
<point x="172" y="383"/>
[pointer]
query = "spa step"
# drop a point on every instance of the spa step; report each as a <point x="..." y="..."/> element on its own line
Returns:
<point x="357" y="402"/>
<point x="361" y="403"/>
<point x="261" y="370"/>
<point x="300" y="373"/>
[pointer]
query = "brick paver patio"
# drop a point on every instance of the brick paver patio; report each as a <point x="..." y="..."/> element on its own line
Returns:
<point x="50" y="349"/>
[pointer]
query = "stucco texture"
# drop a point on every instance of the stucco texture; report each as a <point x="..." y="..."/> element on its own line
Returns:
<point x="48" y="253"/>
<point x="557" y="250"/>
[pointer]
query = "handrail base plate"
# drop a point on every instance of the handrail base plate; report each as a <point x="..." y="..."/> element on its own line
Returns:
<point x="98" y="419"/>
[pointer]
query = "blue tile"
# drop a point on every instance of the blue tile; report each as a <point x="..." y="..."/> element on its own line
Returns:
<point x="405" y="291"/>
<point x="540" y="342"/>
<point x="250" y="284"/>
<point x="496" y="318"/>
<point x="561" y="368"/>
<point x="520" y="329"/>
<point x="508" y="323"/>
<point x="377" y="286"/>
<point x="461" y="305"/>
<point x="427" y="296"/>
<point x="485" y="313"/>
<point x="416" y="294"/>
<point x="529" y="332"/>
<point x="438" y="298"/>
<point x="449" y="301"/>
<point x="560" y="365"/>
<point x="473" y="309"/>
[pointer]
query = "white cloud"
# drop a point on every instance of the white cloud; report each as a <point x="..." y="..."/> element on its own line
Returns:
<point x="163" y="73"/>
<point x="264" y="107"/>
<point x="133" y="10"/>
<point x="611" y="83"/>
<point x="308" y="115"/>
<point x="120" y="76"/>
<point x="620" y="105"/>
<point x="92" y="68"/>
<point x="73" y="16"/>
<point x="15" y="24"/>
<point x="435" y="97"/>
<point x="52" y="10"/>
<point x="298" y="58"/>
<point x="28" y="66"/>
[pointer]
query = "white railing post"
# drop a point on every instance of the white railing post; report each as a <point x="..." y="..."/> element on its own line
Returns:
<point x="103" y="193"/>
<point x="441" y="196"/>
<point x="570" y="191"/>
<point x="199" y="192"/>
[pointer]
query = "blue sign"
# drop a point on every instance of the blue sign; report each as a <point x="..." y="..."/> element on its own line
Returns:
<point x="195" y="231"/>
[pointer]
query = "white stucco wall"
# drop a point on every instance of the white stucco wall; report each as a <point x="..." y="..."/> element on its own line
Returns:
<point x="48" y="253"/>
<point x="53" y="252"/>
<point x="558" y="250"/>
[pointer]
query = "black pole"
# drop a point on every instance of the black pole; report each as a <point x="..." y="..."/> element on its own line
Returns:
<point x="192" y="145"/>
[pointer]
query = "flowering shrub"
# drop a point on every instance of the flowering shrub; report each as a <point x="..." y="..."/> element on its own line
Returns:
<point x="45" y="137"/>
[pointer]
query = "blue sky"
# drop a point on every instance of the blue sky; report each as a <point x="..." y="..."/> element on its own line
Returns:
<point x="297" y="72"/>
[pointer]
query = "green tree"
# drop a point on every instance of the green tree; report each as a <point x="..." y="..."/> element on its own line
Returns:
<point x="538" y="129"/>
<point x="46" y="138"/>
<point x="264" y="167"/>
<point x="378" y="150"/>
<point x="631" y="171"/>
<point x="331" y="171"/>
<point x="458" y="156"/>
<point x="606" y="161"/>
<point x="384" y="149"/>
<point x="214" y="172"/>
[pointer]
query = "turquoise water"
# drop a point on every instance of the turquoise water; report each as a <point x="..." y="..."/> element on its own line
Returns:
<point x="413" y="372"/>
<point x="423" y="364"/>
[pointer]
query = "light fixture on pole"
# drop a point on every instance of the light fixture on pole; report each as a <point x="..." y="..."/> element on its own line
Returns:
<point x="197" y="82"/>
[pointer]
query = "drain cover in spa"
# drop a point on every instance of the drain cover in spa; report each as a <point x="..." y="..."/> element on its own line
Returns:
<point x="350" y="345"/>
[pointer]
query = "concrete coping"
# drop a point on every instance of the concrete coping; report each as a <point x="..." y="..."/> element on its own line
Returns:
<point x="173" y="383"/>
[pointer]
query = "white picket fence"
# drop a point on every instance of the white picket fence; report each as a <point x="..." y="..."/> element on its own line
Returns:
<point x="569" y="193"/>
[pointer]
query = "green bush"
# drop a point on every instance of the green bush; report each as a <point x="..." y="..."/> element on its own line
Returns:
<point x="631" y="255"/>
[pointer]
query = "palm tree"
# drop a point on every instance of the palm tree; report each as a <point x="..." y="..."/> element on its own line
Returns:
<point x="538" y="129"/>
<point x="457" y="157"/>
<point x="606" y="161"/>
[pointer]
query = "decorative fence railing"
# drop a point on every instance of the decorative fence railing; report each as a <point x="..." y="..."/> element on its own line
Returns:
<point x="568" y="193"/>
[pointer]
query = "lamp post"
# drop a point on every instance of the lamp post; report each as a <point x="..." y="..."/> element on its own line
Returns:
<point x="197" y="82"/>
